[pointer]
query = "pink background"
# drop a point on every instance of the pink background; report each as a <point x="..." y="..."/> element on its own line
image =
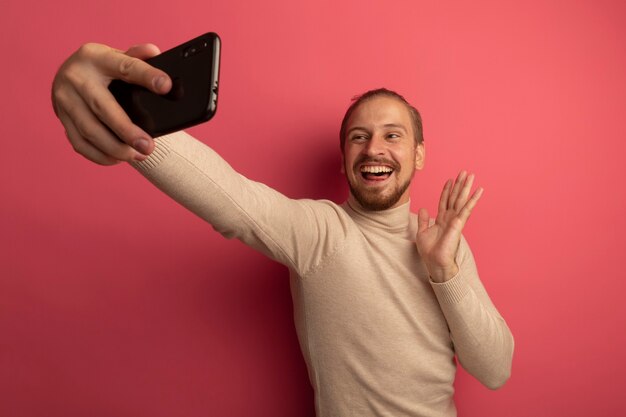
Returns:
<point x="115" y="301"/>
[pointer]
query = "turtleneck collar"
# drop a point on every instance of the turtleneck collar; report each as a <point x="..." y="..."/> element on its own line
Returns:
<point x="393" y="220"/>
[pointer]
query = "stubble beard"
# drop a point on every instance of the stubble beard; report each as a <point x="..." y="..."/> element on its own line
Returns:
<point x="375" y="200"/>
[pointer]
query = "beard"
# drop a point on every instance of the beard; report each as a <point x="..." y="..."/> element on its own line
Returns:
<point x="378" y="200"/>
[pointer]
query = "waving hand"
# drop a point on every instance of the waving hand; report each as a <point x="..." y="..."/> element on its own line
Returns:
<point x="438" y="243"/>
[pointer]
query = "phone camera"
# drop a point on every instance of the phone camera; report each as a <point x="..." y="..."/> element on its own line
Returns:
<point x="196" y="48"/>
<point x="192" y="50"/>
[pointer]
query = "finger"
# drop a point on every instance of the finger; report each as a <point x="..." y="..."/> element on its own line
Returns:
<point x="443" y="200"/>
<point x="82" y="146"/>
<point x="456" y="189"/>
<point x="93" y="131"/>
<point x="102" y="103"/>
<point x="466" y="211"/>
<point x="143" y="51"/>
<point x="465" y="191"/>
<point x="422" y="220"/>
<point x="118" y="65"/>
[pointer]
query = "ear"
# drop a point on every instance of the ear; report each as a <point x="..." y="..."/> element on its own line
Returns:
<point x="420" y="155"/>
<point x="343" y="164"/>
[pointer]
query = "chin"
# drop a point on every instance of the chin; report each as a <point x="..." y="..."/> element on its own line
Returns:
<point x="375" y="201"/>
<point x="378" y="198"/>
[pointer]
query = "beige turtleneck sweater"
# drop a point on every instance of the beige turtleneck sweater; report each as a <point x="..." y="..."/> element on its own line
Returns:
<point x="378" y="337"/>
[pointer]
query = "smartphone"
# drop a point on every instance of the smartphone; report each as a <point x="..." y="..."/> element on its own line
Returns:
<point x="194" y="69"/>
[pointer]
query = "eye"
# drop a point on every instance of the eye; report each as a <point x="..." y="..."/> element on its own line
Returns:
<point x="359" y="137"/>
<point x="393" y="136"/>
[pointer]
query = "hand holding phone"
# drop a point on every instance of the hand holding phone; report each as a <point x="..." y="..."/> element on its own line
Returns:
<point x="194" y="70"/>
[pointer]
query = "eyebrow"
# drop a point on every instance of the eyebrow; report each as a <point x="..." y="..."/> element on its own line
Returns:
<point x="387" y="125"/>
<point x="395" y="126"/>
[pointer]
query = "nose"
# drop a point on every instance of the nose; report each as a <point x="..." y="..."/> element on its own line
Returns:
<point x="375" y="146"/>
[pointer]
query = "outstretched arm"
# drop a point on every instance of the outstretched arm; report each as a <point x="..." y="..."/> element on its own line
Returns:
<point x="193" y="174"/>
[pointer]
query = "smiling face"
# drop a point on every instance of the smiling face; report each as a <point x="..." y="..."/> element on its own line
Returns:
<point x="380" y="153"/>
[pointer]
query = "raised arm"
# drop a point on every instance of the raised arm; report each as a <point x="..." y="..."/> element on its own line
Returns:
<point x="482" y="341"/>
<point x="95" y="124"/>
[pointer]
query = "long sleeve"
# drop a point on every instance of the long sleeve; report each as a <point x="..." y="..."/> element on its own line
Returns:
<point x="482" y="340"/>
<point x="293" y="232"/>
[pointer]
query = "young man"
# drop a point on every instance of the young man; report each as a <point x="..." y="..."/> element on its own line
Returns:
<point x="384" y="299"/>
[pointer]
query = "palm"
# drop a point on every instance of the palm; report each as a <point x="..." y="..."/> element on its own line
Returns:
<point x="437" y="243"/>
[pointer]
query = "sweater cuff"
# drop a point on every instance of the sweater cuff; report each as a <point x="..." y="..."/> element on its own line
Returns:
<point x="451" y="291"/>
<point x="158" y="155"/>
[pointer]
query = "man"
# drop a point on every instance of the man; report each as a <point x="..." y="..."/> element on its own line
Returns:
<point x="383" y="299"/>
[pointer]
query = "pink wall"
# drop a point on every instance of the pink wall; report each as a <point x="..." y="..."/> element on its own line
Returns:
<point x="116" y="301"/>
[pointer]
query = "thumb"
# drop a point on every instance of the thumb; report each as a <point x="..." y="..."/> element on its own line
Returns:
<point x="143" y="51"/>
<point x="159" y="83"/>
<point x="422" y="220"/>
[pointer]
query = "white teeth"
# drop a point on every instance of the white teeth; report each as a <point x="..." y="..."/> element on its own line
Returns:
<point x="375" y="169"/>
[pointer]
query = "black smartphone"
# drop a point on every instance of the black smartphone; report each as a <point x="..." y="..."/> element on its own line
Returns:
<point x="194" y="69"/>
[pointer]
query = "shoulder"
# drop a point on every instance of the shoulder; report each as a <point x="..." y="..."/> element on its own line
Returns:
<point x="327" y="209"/>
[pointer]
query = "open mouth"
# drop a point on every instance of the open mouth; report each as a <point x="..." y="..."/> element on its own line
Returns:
<point x="376" y="172"/>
